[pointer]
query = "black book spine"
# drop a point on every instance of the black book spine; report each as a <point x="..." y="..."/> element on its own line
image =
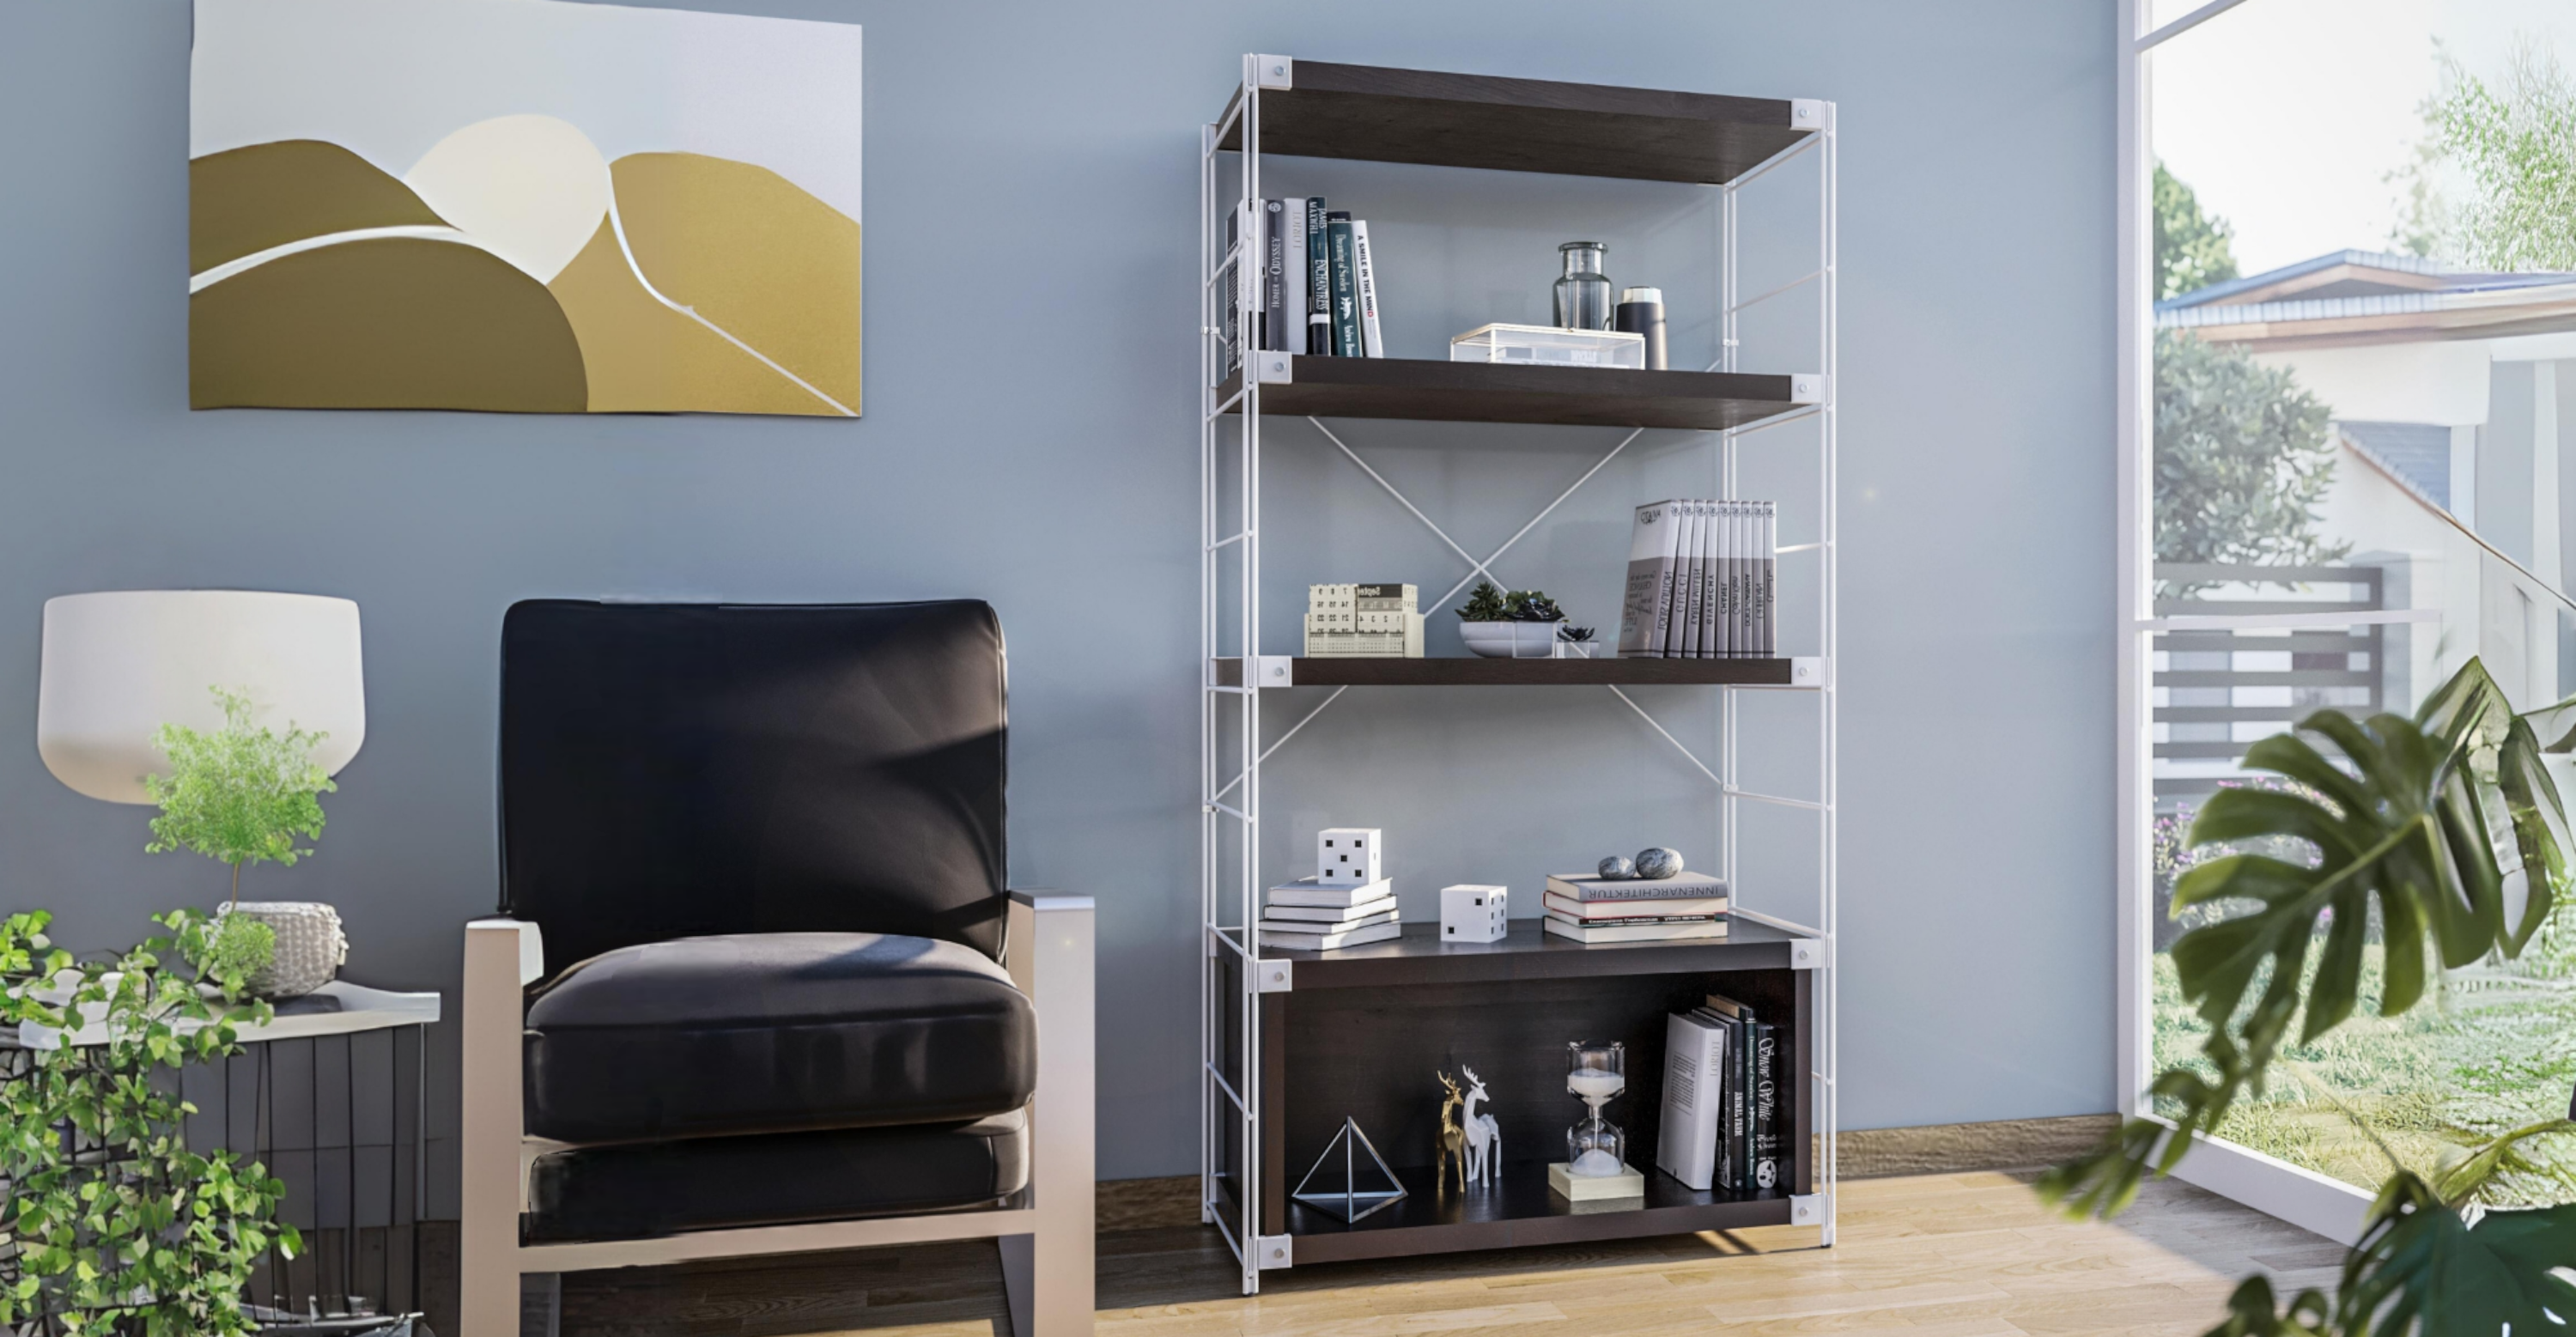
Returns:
<point x="1730" y="1151"/>
<point x="1766" y="1106"/>
<point x="1319" y="279"/>
<point x="1274" y="277"/>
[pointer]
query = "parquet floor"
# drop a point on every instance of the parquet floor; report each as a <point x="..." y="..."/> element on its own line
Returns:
<point x="1961" y="1255"/>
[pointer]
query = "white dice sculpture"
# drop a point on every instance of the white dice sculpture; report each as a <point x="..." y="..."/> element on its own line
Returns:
<point x="1470" y="913"/>
<point x="1347" y="856"/>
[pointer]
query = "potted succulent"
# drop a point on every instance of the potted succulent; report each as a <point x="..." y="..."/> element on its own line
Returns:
<point x="1518" y="624"/>
<point x="239" y="795"/>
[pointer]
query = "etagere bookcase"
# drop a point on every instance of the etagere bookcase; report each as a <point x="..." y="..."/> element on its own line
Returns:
<point x="1292" y="1041"/>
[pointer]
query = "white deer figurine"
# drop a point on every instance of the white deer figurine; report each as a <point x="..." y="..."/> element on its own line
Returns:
<point x="1484" y="1136"/>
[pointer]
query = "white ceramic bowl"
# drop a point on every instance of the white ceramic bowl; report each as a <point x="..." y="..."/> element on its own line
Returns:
<point x="1510" y="640"/>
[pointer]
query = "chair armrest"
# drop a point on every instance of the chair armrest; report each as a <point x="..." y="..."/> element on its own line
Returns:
<point x="1050" y="959"/>
<point x="501" y="957"/>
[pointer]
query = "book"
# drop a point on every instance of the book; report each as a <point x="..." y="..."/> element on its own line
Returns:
<point x="1231" y="295"/>
<point x="1364" y="267"/>
<point x="1695" y="907"/>
<point x="1329" y="916"/>
<point x="1765" y="578"/>
<point x="1294" y="927"/>
<point x="1646" y="607"/>
<point x="1694" y="1087"/>
<point x="1346" y="292"/>
<point x="1766" y="1105"/>
<point x="1310" y="942"/>
<point x="1681" y="641"/>
<point x="1319" y="279"/>
<point x="1735" y="1153"/>
<point x="1292" y="281"/>
<point x="1729" y="591"/>
<point x="1308" y="891"/>
<point x="1712" y="625"/>
<point x="1675" y="931"/>
<point x="1593" y="887"/>
<point x="1739" y="564"/>
<point x="1274" y="274"/>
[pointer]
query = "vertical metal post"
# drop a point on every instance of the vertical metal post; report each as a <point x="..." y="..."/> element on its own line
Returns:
<point x="1247" y="336"/>
<point x="1828" y="288"/>
<point x="1726" y="357"/>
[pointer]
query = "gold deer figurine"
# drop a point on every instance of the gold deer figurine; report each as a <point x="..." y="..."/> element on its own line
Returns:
<point x="1453" y="1137"/>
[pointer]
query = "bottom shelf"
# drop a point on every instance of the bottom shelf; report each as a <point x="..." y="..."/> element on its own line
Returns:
<point x="1517" y="1210"/>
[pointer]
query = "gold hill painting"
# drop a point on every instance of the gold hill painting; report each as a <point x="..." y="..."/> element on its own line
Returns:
<point x="522" y="206"/>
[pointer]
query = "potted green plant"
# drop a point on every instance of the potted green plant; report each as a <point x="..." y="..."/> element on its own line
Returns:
<point x="241" y="795"/>
<point x="114" y="1225"/>
<point x="2421" y="829"/>
<point x="1518" y="624"/>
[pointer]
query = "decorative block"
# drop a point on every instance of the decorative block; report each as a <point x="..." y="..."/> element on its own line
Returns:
<point x="1471" y="913"/>
<point x="1347" y="856"/>
<point x="1628" y="1183"/>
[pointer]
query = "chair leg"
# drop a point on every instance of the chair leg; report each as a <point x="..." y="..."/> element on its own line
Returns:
<point x="1020" y="1282"/>
<point x="540" y="1304"/>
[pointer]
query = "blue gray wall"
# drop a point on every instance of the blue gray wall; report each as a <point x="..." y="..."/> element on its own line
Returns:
<point x="1029" y="438"/>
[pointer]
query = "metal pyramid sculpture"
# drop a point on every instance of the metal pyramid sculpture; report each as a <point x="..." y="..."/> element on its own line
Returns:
<point x="1343" y="1192"/>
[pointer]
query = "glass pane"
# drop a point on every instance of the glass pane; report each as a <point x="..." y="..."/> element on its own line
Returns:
<point x="2365" y="403"/>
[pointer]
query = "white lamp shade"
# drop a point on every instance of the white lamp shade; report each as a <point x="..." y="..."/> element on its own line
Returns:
<point x="119" y="665"/>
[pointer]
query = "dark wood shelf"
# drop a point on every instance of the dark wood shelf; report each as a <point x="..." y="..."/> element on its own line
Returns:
<point x="1474" y="672"/>
<point x="1520" y="1209"/>
<point x="1391" y="387"/>
<point x="1522" y="125"/>
<point x="1530" y="953"/>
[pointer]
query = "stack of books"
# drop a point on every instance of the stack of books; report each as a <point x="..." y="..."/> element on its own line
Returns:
<point x="1363" y="622"/>
<point x="1312" y="915"/>
<point x="1701" y="580"/>
<point x="1725" y="1105"/>
<point x="1588" y="909"/>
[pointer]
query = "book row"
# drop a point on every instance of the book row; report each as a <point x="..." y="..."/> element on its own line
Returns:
<point x="1722" y="1116"/>
<point x="1701" y="578"/>
<point x="1311" y="281"/>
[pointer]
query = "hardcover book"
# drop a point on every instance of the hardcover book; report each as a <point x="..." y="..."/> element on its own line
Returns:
<point x="1592" y="887"/>
<point x="1694" y="907"/>
<point x="1694" y="1088"/>
<point x="1309" y="942"/>
<point x="1364" y="264"/>
<point x="1655" y="931"/>
<point x="1346" y="285"/>
<point x="1308" y="891"/>
<point x="1319" y="279"/>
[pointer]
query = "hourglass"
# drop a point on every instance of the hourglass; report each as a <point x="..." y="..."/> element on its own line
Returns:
<point x="1596" y="1151"/>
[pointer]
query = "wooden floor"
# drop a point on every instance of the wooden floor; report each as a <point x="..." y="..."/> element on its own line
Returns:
<point x="1964" y="1255"/>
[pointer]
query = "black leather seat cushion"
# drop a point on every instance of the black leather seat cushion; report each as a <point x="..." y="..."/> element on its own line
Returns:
<point x="775" y="1032"/>
<point x="663" y="1188"/>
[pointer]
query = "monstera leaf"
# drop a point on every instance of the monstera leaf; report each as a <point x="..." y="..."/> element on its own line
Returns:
<point x="2446" y="824"/>
<point x="2421" y="1268"/>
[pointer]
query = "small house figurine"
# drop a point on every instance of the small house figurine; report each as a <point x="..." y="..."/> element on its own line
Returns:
<point x="1470" y="913"/>
<point x="1347" y="856"/>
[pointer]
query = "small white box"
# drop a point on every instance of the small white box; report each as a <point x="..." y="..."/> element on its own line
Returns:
<point x="1470" y="913"/>
<point x="1347" y="856"/>
<point x="1548" y="346"/>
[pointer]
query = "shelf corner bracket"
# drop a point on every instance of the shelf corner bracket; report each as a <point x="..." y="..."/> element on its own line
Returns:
<point x="1278" y="368"/>
<point x="1276" y="976"/>
<point x="1804" y="389"/>
<point x="1275" y="1251"/>
<point x="1806" y="953"/>
<point x="1278" y="74"/>
<point x="1275" y="671"/>
<point x="1805" y="1209"/>
<point x="1805" y="113"/>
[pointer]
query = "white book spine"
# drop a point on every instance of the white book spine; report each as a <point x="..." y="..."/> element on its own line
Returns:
<point x="1769" y="547"/>
<point x="1690" y="599"/>
<point x="1705" y="645"/>
<point x="1364" y="272"/>
<point x="1738" y="589"/>
<point x="1649" y="583"/>
<point x="1694" y="1062"/>
<point x="1293" y="283"/>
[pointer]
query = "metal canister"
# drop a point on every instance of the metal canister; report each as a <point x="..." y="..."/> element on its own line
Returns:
<point x="1641" y="311"/>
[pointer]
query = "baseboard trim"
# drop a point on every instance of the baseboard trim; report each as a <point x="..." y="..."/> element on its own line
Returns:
<point x="1956" y="1148"/>
<point x="1867" y="1153"/>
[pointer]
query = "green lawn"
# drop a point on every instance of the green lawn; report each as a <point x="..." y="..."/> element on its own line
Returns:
<point x="2494" y="1048"/>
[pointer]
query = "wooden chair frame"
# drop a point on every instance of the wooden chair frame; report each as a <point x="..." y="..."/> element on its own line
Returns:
<point x="1046" y="1245"/>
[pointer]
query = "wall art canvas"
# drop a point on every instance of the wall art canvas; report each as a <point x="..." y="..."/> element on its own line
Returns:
<point x="522" y="206"/>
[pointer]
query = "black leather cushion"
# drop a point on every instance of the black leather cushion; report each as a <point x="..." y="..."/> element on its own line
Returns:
<point x="768" y="1032"/>
<point x="662" y="1188"/>
<point x="671" y="770"/>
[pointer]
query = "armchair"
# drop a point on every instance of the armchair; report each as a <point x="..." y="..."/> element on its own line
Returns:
<point x="757" y="986"/>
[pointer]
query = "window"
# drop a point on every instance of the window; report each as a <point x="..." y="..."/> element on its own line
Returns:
<point x="2349" y="454"/>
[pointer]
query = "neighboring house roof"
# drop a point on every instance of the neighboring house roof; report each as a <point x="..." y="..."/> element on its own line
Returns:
<point x="2416" y="454"/>
<point x="2363" y="297"/>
